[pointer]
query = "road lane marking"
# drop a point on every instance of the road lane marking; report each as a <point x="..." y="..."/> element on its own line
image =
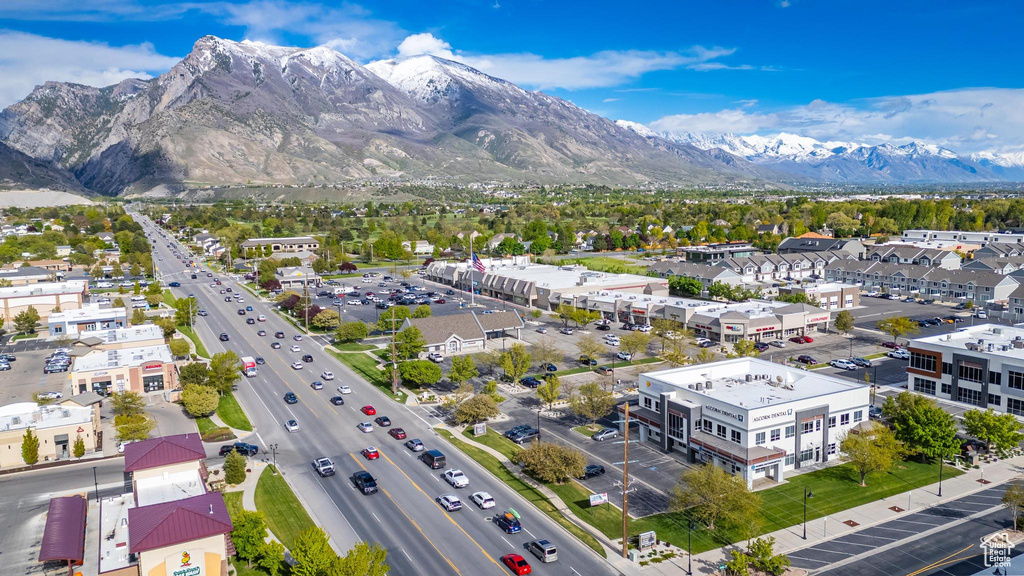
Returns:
<point x="375" y="517"/>
<point x="446" y="514"/>
<point x="574" y="571"/>
<point x="411" y="521"/>
<point x="507" y="542"/>
<point x="326" y="493"/>
<point x="941" y="561"/>
<point x="406" y="554"/>
<point x="530" y="533"/>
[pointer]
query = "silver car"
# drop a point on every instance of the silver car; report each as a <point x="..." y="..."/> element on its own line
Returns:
<point x="605" y="434"/>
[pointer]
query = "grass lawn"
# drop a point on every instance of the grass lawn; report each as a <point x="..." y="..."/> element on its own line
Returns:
<point x="231" y="413"/>
<point x="496" y="441"/>
<point x="191" y="335"/>
<point x="286" y="517"/>
<point x="383" y="353"/>
<point x="586" y="430"/>
<point x="366" y="367"/>
<point x="233" y="500"/>
<point x="610" y="264"/>
<point x="205" y="425"/>
<point x="169" y="297"/>
<point x="526" y="491"/>
<point x="354" y="347"/>
<point x="17" y="337"/>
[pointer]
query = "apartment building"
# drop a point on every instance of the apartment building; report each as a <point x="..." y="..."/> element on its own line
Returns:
<point x="977" y="286"/>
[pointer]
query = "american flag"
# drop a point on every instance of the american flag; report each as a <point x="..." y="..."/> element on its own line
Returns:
<point x="478" y="264"/>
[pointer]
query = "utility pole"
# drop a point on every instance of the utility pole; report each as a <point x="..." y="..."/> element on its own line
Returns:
<point x="394" y="356"/>
<point x="625" y="484"/>
<point x="305" y="297"/>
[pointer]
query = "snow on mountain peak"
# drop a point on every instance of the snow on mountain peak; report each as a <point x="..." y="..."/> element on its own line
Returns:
<point x="429" y="78"/>
<point x="638" y="128"/>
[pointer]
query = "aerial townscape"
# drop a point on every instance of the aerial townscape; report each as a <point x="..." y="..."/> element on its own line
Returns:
<point x="322" y="288"/>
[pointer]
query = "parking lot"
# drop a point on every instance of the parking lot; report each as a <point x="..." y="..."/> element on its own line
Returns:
<point x="26" y="374"/>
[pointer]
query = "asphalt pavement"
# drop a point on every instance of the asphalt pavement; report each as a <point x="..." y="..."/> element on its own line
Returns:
<point x="421" y="538"/>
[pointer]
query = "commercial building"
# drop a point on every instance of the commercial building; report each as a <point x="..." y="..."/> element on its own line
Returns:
<point x="981" y="365"/>
<point x="118" y="338"/>
<point x="297" y="277"/>
<point x="254" y="246"/>
<point x="87" y="318"/>
<point x="982" y="238"/>
<point x="467" y="332"/>
<point x="143" y="369"/>
<point x="812" y="242"/>
<point x="25" y="275"/>
<point x="57" y="426"/>
<point x="711" y="253"/>
<point x="44" y="297"/>
<point x="829" y="295"/>
<point x="755" y="419"/>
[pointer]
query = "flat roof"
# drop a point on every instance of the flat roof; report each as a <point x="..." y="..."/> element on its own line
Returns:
<point x="21" y="415"/>
<point x="100" y="359"/>
<point x="169" y="487"/>
<point x="823" y="287"/>
<point x="114" y="532"/>
<point x="556" y="277"/>
<point x="130" y="334"/>
<point x="86" y="312"/>
<point x="285" y="239"/>
<point x="43" y="288"/>
<point x="990" y="339"/>
<point x="771" y="384"/>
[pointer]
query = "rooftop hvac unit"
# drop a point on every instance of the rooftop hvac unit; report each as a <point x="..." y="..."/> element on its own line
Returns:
<point x="750" y="377"/>
<point x="708" y="385"/>
<point x="691" y="386"/>
<point x="997" y="330"/>
<point x="700" y="386"/>
<point x="990" y="347"/>
<point x="1018" y="343"/>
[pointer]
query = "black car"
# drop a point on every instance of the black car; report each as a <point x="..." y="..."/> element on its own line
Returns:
<point x="224" y="337"/>
<point x="241" y="312"/>
<point x="365" y="482"/>
<point x="382" y="421"/>
<point x="337" y="400"/>
<point x="7" y="357"/>
<point x="530" y="382"/>
<point x="588" y="361"/>
<point x="516" y="430"/>
<point x="551" y="368"/>
<point x="291" y="398"/>
<point x="260" y="360"/>
<point x="307" y="358"/>
<point x="241" y="448"/>
<point x="175" y="284"/>
<point x="278" y="334"/>
<point x="449" y="292"/>
<point x="604" y="327"/>
<point x="509" y="524"/>
<point x="250" y="320"/>
<point x="592" y="471"/>
<point x="227" y="298"/>
<point x="706" y="344"/>
<point x="760" y="346"/>
<point x="806" y="359"/>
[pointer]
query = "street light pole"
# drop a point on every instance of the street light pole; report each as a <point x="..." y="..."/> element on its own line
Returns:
<point x="273" y="450"/>
<point x="96" y="484"/>
<point x="689" y="555"/>
<point x="807" y="494"/>
<point x="940" y="476"/>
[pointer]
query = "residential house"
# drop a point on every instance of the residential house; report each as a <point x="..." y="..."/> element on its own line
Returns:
<point x="903" y="254"/>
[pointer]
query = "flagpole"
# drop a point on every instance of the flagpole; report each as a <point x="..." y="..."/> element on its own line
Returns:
<point x="472" y="267"/>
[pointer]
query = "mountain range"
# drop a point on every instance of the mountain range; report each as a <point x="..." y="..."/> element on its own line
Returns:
<point x="247" y="113"/>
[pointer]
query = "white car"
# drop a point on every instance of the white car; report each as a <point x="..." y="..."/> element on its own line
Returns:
<point x="483" y="500"/>
<point x="778" y="343"/>
<point x="354" y="303"/>
<point x="614" y="341"/>
<point x="872" y="294"/>
<point x="292" y="425"/>
<point x="843" y="364"/>
<point x="450" y="502"/>
<point x="295" y="349"/>
<point x="327" y="375"/>
<point x="297" y="337"/>
<point x="456" y="478"/>
<point x="239" y="299"/>
<point x="121" y="445"/>
<point x="365" y="426"/>
<point x="899" y="354"/>
<point x="344" y="389"/>
<point x="296" y="365"/>
<point x="624" y="356"/>
<point x="261" y="318"/>
<point x="103" y="301"/>
<point x="47" y="395"/>
<point x="435" y="357"/>
<point x="644" y="328"/>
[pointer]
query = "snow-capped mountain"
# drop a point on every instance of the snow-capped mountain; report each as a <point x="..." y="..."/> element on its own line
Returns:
<point x="833" y="161"/>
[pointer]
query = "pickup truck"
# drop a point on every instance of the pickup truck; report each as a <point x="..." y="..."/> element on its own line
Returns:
<point x="324" y="467"/>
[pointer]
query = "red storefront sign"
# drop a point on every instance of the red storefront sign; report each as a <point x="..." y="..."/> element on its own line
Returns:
<point x="152" y="366"/>
<point x="765" y="329"/>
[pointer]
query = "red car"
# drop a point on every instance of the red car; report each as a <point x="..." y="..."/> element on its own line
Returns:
<point x="801" y="339"/>
<point x="892" y="345"/>
<point x="369" y="410"/>
<point x="397" y="433"/>
<point x="439" y="301"/>
<point x="371" y="453"/>
<point x="516" y="564"/>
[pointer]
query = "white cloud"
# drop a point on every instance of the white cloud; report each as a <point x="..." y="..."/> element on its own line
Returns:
<point x="29" y="60"/>
<point x="611" y="100"/>
<point x="965" y="120"/>
<point x="601" y="69"/>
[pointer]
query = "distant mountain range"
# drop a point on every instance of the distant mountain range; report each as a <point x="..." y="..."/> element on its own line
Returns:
<point x="849" y="162"/>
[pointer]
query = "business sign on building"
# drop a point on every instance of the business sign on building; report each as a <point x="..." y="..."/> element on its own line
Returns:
<point x="152" y="366"/>
<point x="726" y="413"/>
<point x="734" y="328"/>
<point x="185" y="563"/>
<point x="818" y="319"/>
<point x="787" y="413"/>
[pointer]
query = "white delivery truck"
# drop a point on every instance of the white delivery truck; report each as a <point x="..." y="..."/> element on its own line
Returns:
<point x="248" y="366"/>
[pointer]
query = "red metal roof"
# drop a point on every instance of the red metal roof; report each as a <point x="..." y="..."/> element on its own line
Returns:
<point x="163" y="451"/>
<point x="170" y="523"/>
<point x="64" y="535"/>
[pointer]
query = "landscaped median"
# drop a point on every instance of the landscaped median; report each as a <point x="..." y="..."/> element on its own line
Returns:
<point x="366" y="366"/>
<point x="191" y="335"/>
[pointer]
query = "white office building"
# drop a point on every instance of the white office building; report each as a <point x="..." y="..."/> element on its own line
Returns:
<point x="754" y="418"/>
<point x="981" y="365"/>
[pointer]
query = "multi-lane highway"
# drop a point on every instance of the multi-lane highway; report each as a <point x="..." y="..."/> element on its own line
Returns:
<point x="421" y="538"/>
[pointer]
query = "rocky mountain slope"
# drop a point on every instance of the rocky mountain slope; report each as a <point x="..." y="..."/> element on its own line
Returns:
<point x="241" y="112"/>
<point x="21" y="171"/>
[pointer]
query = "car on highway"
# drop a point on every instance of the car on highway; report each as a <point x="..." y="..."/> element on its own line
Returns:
<point x="292" y="425"/>
<point x="241" y="312"/>
<point x="397" y="433"/>
<point x="365" y="427"/>
<point x="224" y="337"/>
<point x="250" y="321"/>
<point x="247" y="308"/>
<point x="327" y="375"/>
<point x="483" y="500"/>
<point x="517" y="564"/>
<point x="370" y="453"/>
<point x="203" y="312"/>
<point x="843" y="364"/>
<point x="261" y="318"/>
<point x="296" y="365"/>
<point x="278" y="334"/>
<point x="806" y="359"/>
<point x="174" y="284"/>
<point x="240" y="447"/>
<point x="365" y="482"/>
<point x="368" y="410"/>
<point x="275" y="345"/>
<point x="415" y="445"/>
<point x="382" y="421"/>
<point x="344" y="389"/>
<point x="801" y="339"/>
<point x="291" y="398"/>
<point x="509" y="523"/>
<point x="297" y="337"/>
<point x="450" y="502"/>
<point x="456" y="478"/>
<point x="899" y="354"/>
<point x="337" y="400"/>
<point x="295" y="348"/>
<point x="605" y="434"/>
<point x="317" y="385"/>
<point x="307" y="358"/>
<point x="324" y="467"/>
<point x="592" y="471"/>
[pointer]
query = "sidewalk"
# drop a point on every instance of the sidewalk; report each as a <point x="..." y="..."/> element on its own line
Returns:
<point x="828" y="527"/>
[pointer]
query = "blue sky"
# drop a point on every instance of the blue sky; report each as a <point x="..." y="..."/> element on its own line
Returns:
<point x="940" y="71"/>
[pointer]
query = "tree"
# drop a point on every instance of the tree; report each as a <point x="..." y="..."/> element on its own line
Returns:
<point x="549" y="390"/>
<point x="491" y="389"/>
<point x="409" y="343"/>
<point x="992" y="428"/>
<point x="844" y="321"/>
<point x="552" y="462"/>
<point x="1013" y="500"/>
<point x="592" y="402"/>
<point x="185" y="310"/>
<point x="138" y="317"/>
<point x="418" y="373"/>
<point x="167" y="325"/>
<point x="421" y="311"/>
<point x="635" y="343"/>
<point x="744" y="348"/>
<point x="662" y="327"/>
<point x="897" y="327"/>
<point x="705" y="355"/>
<point x="463" y="369"/>
<point x="515" y="362"/>
<point x="271" y="557"/>
<point x="686" y="287"/>
<point x="312" y="553"/>
<point x="234" y="468"/>
<point x="249" y="534"/>
<point x="588" y="346"/>
<point x="193" y="374"/>
<point x="462" y="393"/>
<point x="224" y="371"/>
<point x="400" y="313"/>
<point x="179" y="347"/>
<point x="326" y="319"/>
<point x="545" y="351"/>
<point x="133" y="427"/>
<point x="79" y="448"/>
<point x="30" y="447"/>
<point x="565" y="313"/>
<point x="351" y="332"/>
<point x="873" y="449"/>
<point x="921" y="425"/>
<point x="26" y="320"/>
<point x="200" y="400"/>
<point x="713" y="496"/>
<point x="763" y="557"/>
<point x="738" y="564"/>
<point x="127" y="403"/>
<point x="362" y="560"/>
<point x="476" y="409"/>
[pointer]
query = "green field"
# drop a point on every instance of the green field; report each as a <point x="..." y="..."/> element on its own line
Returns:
<point x="205" y="425"/>
<point x="366" y="367"/>
<point x="586" y="430"/>
<point x="354" y="347"/>
<point x="169" y="297"/>
<point x="233" y="500"/>
<point x="285" y="515"/>
<point x="610" y="264"/>
<point x="496" y="441"/>
<point x="231" y="413"/>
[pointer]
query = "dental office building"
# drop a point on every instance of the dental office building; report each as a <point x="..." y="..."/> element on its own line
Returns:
<point x="753" y="418"/>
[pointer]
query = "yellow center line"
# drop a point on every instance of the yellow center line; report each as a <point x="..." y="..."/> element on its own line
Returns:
<point x="411" y="521"/>
<point x="941" y="562"/>
<point x="443" y="511"/>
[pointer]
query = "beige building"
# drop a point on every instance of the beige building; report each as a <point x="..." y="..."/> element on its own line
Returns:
<point x="465" y="333"/>
<point x="56" y="426"/>
<point x="293" y="244"/>
<point x="44" y="297"/>
<point x="148" y="369"/>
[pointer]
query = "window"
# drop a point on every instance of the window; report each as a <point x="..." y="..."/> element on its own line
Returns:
<point x="720" y="431"/>
<point x="831" y="421"/>
<point x="832" y="449"/>
<point x="969" y="396"/>
<point x="647" y="402"/>
<point x="153" y="383"/>
<point x="759" y="438"/>
<point x="736" y="436"/>
<point x="806" y="455"/>
<point x="922" y="361"/>
<point x="844" y="419"/>
<point x="858" y="415"/>
<point x="675" y="425"/>
<point x="809" y="427"/>
<point x="1015" y="380"/>
<point x="995" y="378"/>
<point x="947" y="388"/>
<point x="970" y="372"/>
<point x="776" y="435"/>
<point x="817" y="425"/>
<point x="790" y="431"/>
<point x="924" y="386"/>
<point x="790" y="459"/>
<point x="1015" y="406"/>
<point x="995" y="400"/>
<point x="707" y="426"/>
